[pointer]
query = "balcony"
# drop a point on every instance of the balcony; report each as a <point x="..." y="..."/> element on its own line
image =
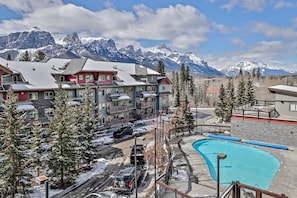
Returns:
<point x="143" y="105"/>
<point x="117" y="97"/>
<point x="117" y="109"/>
<point x="146" y="94"/>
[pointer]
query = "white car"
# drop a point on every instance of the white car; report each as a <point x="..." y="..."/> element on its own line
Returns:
<point x="105" y="194"/>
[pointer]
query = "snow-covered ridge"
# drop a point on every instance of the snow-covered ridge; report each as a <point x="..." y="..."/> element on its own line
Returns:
<point x="249" y="66"/>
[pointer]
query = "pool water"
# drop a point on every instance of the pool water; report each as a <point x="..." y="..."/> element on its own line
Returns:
<point x="246" y="164"/>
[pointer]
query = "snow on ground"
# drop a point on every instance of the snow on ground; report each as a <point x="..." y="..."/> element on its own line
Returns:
<point x="141" y="127"/>
<point x="180" y="174"/>
<point x="98" y="167"/>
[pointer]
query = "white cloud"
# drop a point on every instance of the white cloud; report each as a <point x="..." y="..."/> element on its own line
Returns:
<point x="294" y="22"/>
<point x="273" y="53"/>
<point x="284" y="4"/>
<point x="274" y="31"/>
<point x="238" y="42"/>
<point x="248" y="5"/>
<point x="27" y="6"/>
<point x="184" y="25"/>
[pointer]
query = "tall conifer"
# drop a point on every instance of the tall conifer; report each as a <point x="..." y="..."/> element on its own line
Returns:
<point x="14" y="169"/>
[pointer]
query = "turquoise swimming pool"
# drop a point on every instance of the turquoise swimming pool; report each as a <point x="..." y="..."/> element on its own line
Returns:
<point x="247" y="164"/>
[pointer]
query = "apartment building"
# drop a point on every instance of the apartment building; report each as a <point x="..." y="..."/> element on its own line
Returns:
<point x="123" y="92"/>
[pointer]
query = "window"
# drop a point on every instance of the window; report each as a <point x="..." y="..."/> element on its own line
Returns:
<point x="62" y="78"/>
<point x="6" y="79"/>
<point x="108" y="77"/>
<point x="101" y="77"/>
<point x="33" y="95"/>
<point x="81" y="93"/>
<point x="163" y="88"/>
<point x="89" y="77"/>
<point x="48" y="112"/>
<point x="101" y="106"/>
<point x="31" y="114"/>
<point x="293" y="107"/>
<point x="80" y="77"/>
<point x="48" y="95"/>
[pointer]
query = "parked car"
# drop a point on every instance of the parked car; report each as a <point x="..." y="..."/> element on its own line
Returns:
<point x="123" y="131"/>
<point x="139" y="155"/>
<point x="105" y="194"/>
<point x="124" y="181"/>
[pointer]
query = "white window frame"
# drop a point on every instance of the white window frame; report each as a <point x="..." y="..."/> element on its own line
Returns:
<point x="48" y="112"/>
<point x="48" y="95"/>
<point x="80" y="77"/>
<point x="101" y="77"/>
<point x="89" y="77"/>
<point x="107" y="77"/>
<point x="293" y="107"/>
<point x="33" y="96"/>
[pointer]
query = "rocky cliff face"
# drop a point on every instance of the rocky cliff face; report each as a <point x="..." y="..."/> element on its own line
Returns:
<point x="25" y="40"/>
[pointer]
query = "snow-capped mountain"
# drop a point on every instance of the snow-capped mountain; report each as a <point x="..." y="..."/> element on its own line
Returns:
<point x="248" y="66"/>
<point x="71" y="46"/>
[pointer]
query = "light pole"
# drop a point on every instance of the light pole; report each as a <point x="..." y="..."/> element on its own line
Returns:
<point x="135" y="164"/>
<point x="219" y="157"/>
<point x="155" y="162"/>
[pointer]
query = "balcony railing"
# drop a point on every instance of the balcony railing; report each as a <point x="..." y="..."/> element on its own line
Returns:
<point x="117" y="109"/>
<point x="142" y="105"/>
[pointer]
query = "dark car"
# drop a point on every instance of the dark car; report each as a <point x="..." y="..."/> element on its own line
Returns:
<point x="139" y="148"/>
<point x="124" y="181"/>
<point x="122" y="132"/>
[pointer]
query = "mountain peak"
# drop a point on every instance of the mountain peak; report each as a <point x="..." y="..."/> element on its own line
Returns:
<point x="71" y="39"/>
<point x="249" y="66"/>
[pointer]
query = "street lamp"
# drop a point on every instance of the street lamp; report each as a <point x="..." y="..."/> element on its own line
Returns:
<point x="135" y="162"/>
<point x="220" y="156"/>
<point x="155" y="162"/>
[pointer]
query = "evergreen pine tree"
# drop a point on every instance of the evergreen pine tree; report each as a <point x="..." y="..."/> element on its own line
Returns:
<point x="14" y="171"/>
<point x="240" y="74"/>
<point x="250" y="96"/>
<point x="240" y="97"/>
<point x="182" y="74"/>
<point x="258" y="73"/>
<point x="220" y="109"/>
<point x="187" y="73"/>
<point x="192" y="86"/>
<point x="177" y="92"/>
<point x="26" y="56"/>
<point x="161" y="67"/>
<point x="75" y="129"/>
<point x="230" y="98"/>
<point x="189" y="119"/>
<point x="37" y="149"/>
<point x="254" y="73"/>
<point x="173" y="83"/>
<point x="89" y="126"/>
<point x="61" y="159"/>
<point x="8" y="57"/>
<point x="40" y="56"/>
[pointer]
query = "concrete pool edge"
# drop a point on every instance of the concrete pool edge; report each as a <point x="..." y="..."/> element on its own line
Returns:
<point x="285" y="180"/>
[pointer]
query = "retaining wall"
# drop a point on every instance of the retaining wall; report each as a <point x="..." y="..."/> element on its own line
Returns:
<point x="272" y="131"/>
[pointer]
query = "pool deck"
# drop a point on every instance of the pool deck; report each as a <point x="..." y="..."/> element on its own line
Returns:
<point x="285" y="180"/>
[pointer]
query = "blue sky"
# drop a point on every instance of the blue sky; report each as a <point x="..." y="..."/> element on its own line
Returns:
<point x="223" y="32"/>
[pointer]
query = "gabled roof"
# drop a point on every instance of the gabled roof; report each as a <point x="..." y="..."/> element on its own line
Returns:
<point x="37" y="75"/>
<point x="75" y="66"/>
<point x="164" y="79"/>
<point x="284" y="89"/>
